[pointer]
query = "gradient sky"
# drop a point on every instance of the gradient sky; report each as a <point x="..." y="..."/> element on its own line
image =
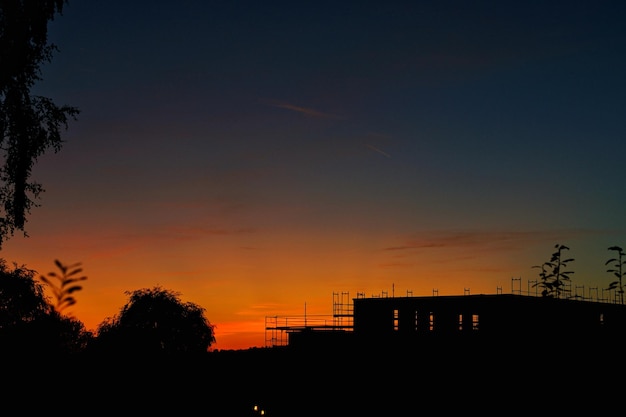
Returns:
<point x="257" y="157"/>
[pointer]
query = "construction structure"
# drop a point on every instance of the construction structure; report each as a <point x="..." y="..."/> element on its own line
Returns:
<point x="408" y="321"/>
<point x="282" y="330"/>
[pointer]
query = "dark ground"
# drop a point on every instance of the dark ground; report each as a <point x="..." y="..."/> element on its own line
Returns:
<point x="497" y="379"/>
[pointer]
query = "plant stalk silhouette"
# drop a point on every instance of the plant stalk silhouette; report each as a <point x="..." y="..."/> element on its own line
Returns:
<point x="67" y="286"/>
<point x="553" y="276"/>
<point x="618" y="271"/>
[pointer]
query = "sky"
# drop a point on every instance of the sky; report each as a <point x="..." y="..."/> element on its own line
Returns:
<point x="262" y="158"/>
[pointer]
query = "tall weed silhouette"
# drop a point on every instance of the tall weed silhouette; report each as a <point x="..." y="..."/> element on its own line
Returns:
<point x="618" y="271"/>
<point x="64" y="284"/>
<point x="553" y="274"/>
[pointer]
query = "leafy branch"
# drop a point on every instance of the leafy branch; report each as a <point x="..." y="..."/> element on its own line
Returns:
<point x="67" y="284"/>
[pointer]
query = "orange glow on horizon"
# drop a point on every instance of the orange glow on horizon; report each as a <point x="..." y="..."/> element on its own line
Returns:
<point x="239" y="287"/>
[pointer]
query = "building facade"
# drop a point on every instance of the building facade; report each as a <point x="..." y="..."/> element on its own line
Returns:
<point x="381" y="322"/>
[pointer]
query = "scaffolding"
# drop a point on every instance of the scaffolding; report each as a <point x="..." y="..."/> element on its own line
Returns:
<point x="578" y="292"/>
<point x="277" y="328"/>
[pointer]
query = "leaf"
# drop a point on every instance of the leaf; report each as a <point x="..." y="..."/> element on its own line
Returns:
<point x="69" y="281"/>
<point x="74" y="272"/>
<point x="73" y="289"/>
<point x="70" y="301"/>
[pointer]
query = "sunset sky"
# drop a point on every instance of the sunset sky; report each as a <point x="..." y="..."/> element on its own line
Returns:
<point x="257" y="157"/>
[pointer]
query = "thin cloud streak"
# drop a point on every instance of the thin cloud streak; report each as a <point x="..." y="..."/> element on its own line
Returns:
<point x="175" y="234"/>
<point x="375" y="149"/>
<point x="504" y="240"/>
<point x="302" y="110"/>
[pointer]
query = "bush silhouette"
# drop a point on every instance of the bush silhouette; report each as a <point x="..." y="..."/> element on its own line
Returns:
<point x="155" y="321"/>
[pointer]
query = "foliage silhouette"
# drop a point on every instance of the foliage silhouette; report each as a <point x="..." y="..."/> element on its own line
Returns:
<point x="618" y="271"/>
<point x="63" y="292"/>
<point x="156" y="321"/>
<point x="29" y="323"/>
<point x="553" y="276"/>
<point x="29" y="125"/>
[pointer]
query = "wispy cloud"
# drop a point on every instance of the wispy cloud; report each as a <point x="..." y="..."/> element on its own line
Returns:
<point x="500" y="239"/>
<point x="302" y="110"/>
<point x="138" y="239"/>
<point x="478" y="251"/>
<point x="380" y="151"/>
<point x="198" y="232"/>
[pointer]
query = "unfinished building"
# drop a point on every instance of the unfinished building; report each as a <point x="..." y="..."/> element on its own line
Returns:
<point x="410" y="321"/>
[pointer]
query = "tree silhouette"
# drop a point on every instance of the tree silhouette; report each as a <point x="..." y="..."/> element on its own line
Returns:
<point x="22" y="299"/>
<point x="553" y="275"/>
<point x="618" y="271"/>
<point x="29" y="125"/>
<point x="156" y="321"/>
<point x="28" y="322"/>
<point x="67" y="286"/>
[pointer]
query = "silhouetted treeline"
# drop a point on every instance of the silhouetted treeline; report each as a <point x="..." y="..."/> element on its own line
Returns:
<point x="153" y="322"/>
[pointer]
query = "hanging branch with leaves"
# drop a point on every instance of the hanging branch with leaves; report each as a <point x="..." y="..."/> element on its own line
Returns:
<point x="553" y="274"/>
<point x="67" y="284"/>
<point x="618" y="271"/>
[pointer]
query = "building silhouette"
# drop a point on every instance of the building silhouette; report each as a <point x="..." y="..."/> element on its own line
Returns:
<point x="483" y="320"/>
